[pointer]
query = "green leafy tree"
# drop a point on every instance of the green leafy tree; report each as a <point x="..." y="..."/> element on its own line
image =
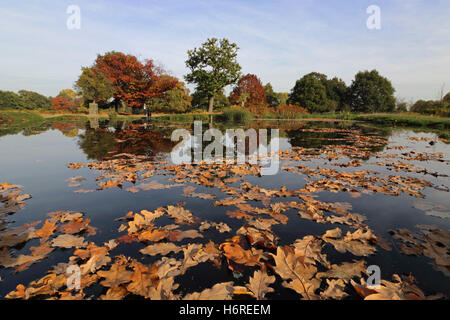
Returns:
<point x="200" y="100"/>
<point x="309" y="92"/>
<point x="370" y="92"/>
<point x="10" y="100"/>
<point x="446" y="98"/>
<point x="401" y="106"/>
<point x="176" y="100"/>
<point x="337" y="93"/>
<point x="34" y="101"/>
<point x="212" y="67"/>
<point x="275" y="98"/>
<point x="94" y="86"/>
<point x="422" y="106"/>
<point x="271" y="96"/>
<point x="283" y="97"/>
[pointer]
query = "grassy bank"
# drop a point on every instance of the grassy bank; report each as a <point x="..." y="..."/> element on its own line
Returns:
<point x="389" y="119"/>
<point x="187" y="117"/>
<point x="26" y="118"/>
<point x="410" y="120"/>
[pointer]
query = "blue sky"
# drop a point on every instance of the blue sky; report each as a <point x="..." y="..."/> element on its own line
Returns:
<point x="279" y="41"/>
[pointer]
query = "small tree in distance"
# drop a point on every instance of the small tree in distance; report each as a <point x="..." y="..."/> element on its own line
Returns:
<point x="249" y="92"/>
<point x="212" y="67"/>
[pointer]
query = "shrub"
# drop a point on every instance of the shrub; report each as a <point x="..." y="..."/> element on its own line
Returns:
<point x="289" y="111"/>
<point x="82" y="109"/>
<point x="236" y="114"/>
<point x="62" y="103"/>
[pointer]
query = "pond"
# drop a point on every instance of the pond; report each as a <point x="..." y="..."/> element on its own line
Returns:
<point x="118" y="204"/>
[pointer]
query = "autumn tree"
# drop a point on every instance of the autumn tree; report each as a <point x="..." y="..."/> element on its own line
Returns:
<point x="94" y="86"/>
<point x="176" y="100"/>
<point x="62" y="103"/>
<point x="248" y="92"/>
<point x="212" y="67"/>
<point x="69" y="93"/>
<point x="134" y="82"/>
<point x="371" y="92"/>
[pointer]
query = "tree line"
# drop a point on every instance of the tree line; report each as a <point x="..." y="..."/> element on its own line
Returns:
<point x="118" y="80"/>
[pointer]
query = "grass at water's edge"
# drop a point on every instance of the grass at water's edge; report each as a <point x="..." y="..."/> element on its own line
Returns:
<point x="410" y="120"/>
<point x="24" y="118"/>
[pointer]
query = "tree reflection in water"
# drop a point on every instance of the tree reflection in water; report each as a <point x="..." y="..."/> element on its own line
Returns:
<point x="134" y="138"/>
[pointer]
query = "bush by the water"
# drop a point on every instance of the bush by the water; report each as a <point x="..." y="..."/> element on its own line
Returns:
<point x="289" y="111"/>
<point x="236" y="114"/>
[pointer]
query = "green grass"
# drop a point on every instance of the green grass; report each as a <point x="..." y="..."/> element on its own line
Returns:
<point x="235" y="115"/>
<point x="19" y="119"/>
<point x="389" y="119"/>
<point x="410" y="120"/>
<point x="341" y="116"/>
<point x="182" y="117"/>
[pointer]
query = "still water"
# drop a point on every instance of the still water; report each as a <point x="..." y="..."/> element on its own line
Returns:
<point x="37" y="160"/>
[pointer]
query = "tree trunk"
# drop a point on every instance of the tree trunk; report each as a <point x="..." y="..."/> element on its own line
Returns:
<point x="211" y="104"/>
<point x="116" y="105"/>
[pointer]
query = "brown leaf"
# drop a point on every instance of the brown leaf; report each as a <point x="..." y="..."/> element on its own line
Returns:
<point x="160" y="248"/>
<point x="259" y="284"/>
<point x="68" y="241"/>
<point x="220" y="291"/>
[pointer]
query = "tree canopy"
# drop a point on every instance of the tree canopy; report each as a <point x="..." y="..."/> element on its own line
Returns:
<point x="212" y="67"/>
<point x="371" y="92"/>
<point x="317" y="93"/>
<point x="273" y="98"/>
<point x="309" y="92"/>
<point x="94" y="86"/>
<point x="248" y="92"/>
<point x="133" y="82"/>
<point x="176" y="100"/>
<point x="32" y="100"/>
<point x="24" y="100"/>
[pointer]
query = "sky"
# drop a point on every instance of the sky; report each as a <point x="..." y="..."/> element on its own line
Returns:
<point x="279" y="41"/>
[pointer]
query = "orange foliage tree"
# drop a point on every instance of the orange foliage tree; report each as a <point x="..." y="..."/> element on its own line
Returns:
<point x="249" y="92"/>
<point x="62" y="103"/>
<point x="134" y="82"/>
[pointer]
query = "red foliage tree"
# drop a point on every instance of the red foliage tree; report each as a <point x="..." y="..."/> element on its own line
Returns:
<point x="62" y="103"/>
<point x="135" y="82"/>
<point x="251" y="87"/>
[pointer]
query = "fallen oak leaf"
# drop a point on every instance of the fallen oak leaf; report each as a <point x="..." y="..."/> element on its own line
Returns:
<point x="180" y="214"/>
<point x="291" y="267"/>
<point x="345" y="271"/>
<point x="220" y="291"/>
<point x="154" y="235"/>
<point x="68" y="241"/>
<point x="160" y="248"/>
<point x="143" y="279"/>
<point x="259" y="284"/>
<point x="235" y="252"/>
<point x="115" y="276"/>
<point x="335" y="290"/>
<point x="46" y="231"/>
